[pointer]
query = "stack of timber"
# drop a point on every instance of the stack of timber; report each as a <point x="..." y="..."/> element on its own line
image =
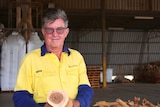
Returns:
<point x="120" y="103"/>
<point x="148" y="73"/>
<point x="93" y="73"/>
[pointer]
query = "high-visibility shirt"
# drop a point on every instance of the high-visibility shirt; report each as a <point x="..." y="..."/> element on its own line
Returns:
<point x="39" y="73"/>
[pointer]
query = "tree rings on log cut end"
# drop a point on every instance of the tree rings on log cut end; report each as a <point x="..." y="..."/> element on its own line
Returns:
<point x="57" y="98"/>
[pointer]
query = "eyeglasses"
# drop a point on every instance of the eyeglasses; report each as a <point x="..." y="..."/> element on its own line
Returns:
<point x="59" y="30"/>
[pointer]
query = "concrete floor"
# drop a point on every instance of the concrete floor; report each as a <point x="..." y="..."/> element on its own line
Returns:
<point x="125" y="91"/>
<point x="6" y="99"/>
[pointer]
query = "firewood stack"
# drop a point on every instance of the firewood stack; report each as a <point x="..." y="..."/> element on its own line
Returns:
<point x="121" y="103"/>
<point x="148" y="73"/>
<point x="93" y="73"/>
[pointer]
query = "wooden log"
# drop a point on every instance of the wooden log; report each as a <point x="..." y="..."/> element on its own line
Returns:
<point x="106" y="104"/>
<point x="122" y="103"/>
<point x="145" y="103"/>
<point x="59" y="98"/>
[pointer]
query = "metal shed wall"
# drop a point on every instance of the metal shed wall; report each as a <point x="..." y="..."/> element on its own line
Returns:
<point x="125" y="49"/>
<point x="96" y="4"/>
<point x="109" y="4"/>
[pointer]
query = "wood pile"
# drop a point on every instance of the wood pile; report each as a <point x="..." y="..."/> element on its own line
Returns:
<point x="120" y="103"/>
<point x="93" y="73"/>
<point x="148" y="73"/>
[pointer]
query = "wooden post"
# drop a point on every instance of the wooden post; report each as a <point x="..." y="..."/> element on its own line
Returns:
<point x="26" y="20"/>
<point x="104" y="44"/>
<point x="10" y="15"/>
<point x="18" y="13"/>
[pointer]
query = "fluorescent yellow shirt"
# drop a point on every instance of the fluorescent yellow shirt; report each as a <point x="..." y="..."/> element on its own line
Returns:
<point x="41" y="74"/>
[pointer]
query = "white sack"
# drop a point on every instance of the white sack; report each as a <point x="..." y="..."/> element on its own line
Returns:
<point x="13" y="50"/>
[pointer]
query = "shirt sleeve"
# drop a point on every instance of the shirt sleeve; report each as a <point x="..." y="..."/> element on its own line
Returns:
<point x="24" y="99"/>
<point x="84" y="96"/>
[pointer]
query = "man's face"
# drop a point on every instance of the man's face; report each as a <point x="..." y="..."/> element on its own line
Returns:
<point x="54" y="34"/>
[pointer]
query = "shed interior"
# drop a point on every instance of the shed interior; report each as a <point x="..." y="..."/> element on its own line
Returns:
<point x="125" y="31"/>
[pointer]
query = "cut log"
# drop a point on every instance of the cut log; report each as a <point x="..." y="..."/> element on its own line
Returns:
<point x="122" y="103"/>
<point x="59" y="98"/>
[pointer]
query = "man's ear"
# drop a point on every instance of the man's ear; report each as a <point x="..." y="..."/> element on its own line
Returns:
<point x="42" y="30"/>
<point x="66" y="32"/>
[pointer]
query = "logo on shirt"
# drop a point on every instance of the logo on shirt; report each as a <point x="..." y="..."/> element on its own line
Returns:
<point x="38" y="71"/>
<point x="72" y="66"/>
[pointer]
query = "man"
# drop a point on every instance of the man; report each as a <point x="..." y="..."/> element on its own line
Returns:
<point x="52" y="67"/>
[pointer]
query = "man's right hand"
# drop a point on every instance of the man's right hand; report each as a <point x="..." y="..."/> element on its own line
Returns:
<point x="47" y="105"/>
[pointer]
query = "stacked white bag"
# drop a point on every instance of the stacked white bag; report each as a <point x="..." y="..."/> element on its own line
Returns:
<point x="34" y="42"/>
<point x="13" y="50"/>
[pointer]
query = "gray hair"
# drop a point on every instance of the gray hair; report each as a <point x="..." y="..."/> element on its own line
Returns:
<point x="53" y="15"/>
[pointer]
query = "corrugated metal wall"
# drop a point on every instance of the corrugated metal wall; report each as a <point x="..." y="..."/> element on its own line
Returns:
<point x="3" y="4"/>
<point x="110" y="4"/>
<point x="153" y="5"/>
<point x="123" y="48"/>
<point x="126" y="49"/>
<point x="127" y="4"/>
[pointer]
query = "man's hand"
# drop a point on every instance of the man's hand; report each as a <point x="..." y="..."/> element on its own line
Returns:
<point x="47" y="105"/>
<point x="76" y="103"/>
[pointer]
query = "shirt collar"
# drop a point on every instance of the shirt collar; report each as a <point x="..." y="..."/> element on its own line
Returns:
<point x="44" y="50"/>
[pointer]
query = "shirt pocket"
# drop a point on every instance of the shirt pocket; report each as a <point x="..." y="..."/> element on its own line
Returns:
<point x="44" y="82"/>
<point x="72" y="74"/>
<point x="45" y="78"/>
